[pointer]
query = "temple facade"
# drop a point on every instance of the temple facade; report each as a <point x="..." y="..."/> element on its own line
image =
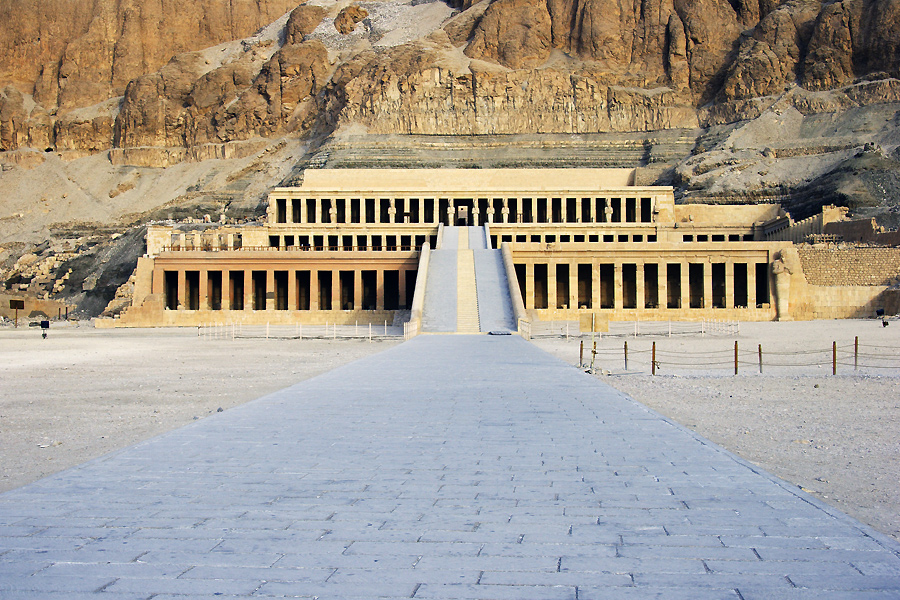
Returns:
<point x="347" y="246"/>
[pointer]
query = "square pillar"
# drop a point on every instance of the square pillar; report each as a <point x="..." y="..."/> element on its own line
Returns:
<point x="573" y="285"/>
<point x="401" y="287"/>
<point x="313" y="290"/>
<point x="751" y="284"/>
<point x="639" y="289"/>
<point x="248" y="289"/>
<point x="336" y="290"/>
<point x="357" y="289"/>
<point x="270" y="290"/>
<point x="226" y="289"/>
<point x="618" y="302"/>
<point x="578" y="210"/>
<point x="685" y="285"/>
<point x="595" y="286"/>
<point x="707" y="284"/>
<point x="552" y="301"/>
<point x="662" y="285"/>
<point x="293" y="290"/>
<point x="729" y="284"/>
<point x="203" y="301"/>
<point x="379" y="289"/>
<point x="529" y="285"/>
<point x="182" y="289"/>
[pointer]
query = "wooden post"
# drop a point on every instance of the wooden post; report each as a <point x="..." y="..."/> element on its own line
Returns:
<point x="834" y="358"/>
<point x="581" y="353"/>
<point x="626" y="355"/>
<point x="856" y="353"/>
<point x="735" y="357"/>
<point x="760" y="359"/>
<point x="653" y="360"/>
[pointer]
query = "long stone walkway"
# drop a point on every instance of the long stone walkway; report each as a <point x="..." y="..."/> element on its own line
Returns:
<point x="447" y="467"/>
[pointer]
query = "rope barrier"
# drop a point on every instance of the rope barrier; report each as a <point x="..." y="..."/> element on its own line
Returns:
<point x="848" y="355"/>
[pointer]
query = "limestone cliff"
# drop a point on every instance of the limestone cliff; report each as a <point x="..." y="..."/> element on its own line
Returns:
<point x="116" y="73"/>
<point x="729" y="100"/>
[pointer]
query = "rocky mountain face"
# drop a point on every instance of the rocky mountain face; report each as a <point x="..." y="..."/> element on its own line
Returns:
<point x="729" y="100"/>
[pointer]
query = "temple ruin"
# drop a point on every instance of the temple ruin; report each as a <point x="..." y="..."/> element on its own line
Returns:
<point x="350" y="245"/>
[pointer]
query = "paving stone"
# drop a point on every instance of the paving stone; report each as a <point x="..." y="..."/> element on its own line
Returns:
<point x="446" y="467"/>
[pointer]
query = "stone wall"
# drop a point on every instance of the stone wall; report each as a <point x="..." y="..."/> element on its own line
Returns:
<point x="850" y="266"/>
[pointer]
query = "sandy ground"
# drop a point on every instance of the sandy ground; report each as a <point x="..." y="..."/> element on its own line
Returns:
<point x="84" y="392"/>
<point x="837" y="437"/>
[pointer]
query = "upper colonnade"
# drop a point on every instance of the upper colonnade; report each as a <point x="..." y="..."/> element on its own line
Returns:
<point x="468" y="196"/>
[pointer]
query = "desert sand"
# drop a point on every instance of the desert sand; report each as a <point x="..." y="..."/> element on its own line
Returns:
<point x="835" y="436"/>
<point x="82" y="393"/>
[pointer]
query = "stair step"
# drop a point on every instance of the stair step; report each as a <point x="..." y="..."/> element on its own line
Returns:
<point x="467" y="320"/>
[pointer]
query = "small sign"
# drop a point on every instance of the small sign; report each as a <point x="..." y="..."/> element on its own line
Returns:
<point x="17" y="304"/>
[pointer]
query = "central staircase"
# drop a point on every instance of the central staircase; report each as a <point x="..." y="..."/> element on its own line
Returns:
<point x="466" y="290"/>
<point x="467" y="320"/>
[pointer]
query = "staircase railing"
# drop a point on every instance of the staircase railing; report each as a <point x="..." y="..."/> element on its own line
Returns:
<point x="515" y="292"/>
<point x="415" y="317"/>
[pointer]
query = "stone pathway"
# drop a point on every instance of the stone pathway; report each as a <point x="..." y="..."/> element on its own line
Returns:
<point x="447" y="467"/>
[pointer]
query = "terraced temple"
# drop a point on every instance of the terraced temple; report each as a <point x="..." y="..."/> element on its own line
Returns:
<point x="349" y="245"/>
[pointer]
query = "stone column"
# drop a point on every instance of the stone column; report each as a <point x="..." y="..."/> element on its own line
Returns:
<point x="552" y="301"/>
<point x="519" y="208"/>
<point x="529" y="285"/>
<point x="595" y="287"/>
<point x="707" y="284"/>
<point x="392" y="212"/>
<point x="617" y="287"/>
<point x="357" y="289"/>
<point x="592" y="210"/>
<point x="401" y="289"/>
<point x="729" y="284"/>
<point x="293" y="290"/>
<point x="685" y="285"/>
<point x="313" y="290"/>
<point x="573" y="285"/>
<point x="578" y="210"/>
<point x="639" y="288"/>
<point x="662" y="285"/>
<point x="379" y="289"/>
<point x="203" y="292"/>
<point x="336" y="290"/>
<point x="451" y="213"/>
<point x="248" y="290"/>
<point x="182" y="289"/>
<point x="751" y="285"/>
<point x="270" y="290"/>
<point x="226" y="289"/>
